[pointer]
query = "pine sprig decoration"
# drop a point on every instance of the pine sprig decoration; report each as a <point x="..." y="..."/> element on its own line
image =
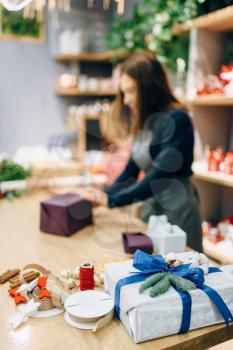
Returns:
<point x="181" y="283"/>
<point x="162" y="281"/>
<point x="151" y="281"/>
<point x="161" y="287"/>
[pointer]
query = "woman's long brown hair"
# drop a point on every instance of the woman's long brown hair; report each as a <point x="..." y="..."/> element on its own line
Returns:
<point x="154" y="92"/>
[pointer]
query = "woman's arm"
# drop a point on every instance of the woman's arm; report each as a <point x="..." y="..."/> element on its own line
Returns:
<point x="127" y="178"/>
<point x="173" y="159"/>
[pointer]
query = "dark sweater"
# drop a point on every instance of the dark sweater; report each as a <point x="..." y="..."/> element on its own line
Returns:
<point x="171" y="151"/>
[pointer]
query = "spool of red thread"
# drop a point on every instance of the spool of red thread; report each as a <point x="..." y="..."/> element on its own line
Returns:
<point x="86" y="276"/>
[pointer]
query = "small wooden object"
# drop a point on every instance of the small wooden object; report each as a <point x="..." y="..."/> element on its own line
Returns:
<point x="6" y="276"/>
<point x="27" y="277"/>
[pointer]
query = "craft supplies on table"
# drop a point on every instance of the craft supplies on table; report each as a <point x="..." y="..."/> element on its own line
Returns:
<point x="89" y="309"/>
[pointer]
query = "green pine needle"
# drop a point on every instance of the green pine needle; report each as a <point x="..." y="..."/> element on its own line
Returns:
<point x="151" y="281"/>
<point x="161" y="287"/>
<point x="181" y="283"/>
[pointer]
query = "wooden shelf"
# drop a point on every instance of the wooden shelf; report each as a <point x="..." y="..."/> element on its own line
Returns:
<point x="212" y="100"/>
<point x="76" y="92"/>
<point x="91" y="57"/>
<point x="222" y="251"/>
<point x="218" y="21"/>
<point x="218" y="178"/>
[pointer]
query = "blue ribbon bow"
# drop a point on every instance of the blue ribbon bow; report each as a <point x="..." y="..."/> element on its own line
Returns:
<point x="151" y="264"/>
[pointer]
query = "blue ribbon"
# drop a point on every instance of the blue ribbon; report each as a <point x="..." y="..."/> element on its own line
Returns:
<point x="151" y="264"/>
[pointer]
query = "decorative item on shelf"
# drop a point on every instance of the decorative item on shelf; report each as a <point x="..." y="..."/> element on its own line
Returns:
<point x="86" y="83"/>
<point x="212" y="291"/>
<point x="180" y="78"/>
<point x="223" y="231"/>
<point x="228" y="163"/>
<point x="220" y="84"/>
<point x="226" y="72"/>
<point x="65" y="214"/>
<point x="211" y="232"/>
<point x="165" y="237"/>
<point x="216" y="157"/>
<point x="67" y="81"/>
<point x="211" y="85"/>
<point x="73" y="41"/>
<point x="218" y="161"/>
<point x="92" y="108"/>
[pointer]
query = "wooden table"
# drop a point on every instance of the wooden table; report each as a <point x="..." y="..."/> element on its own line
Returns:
<point x="22" y="243"/>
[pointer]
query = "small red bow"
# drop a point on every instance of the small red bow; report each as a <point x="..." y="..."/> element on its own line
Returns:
<point x="44" y="293"/>
<point x="17" y="296"/>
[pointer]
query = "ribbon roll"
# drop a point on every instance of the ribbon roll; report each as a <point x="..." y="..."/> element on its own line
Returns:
<point x="90" y="309"/>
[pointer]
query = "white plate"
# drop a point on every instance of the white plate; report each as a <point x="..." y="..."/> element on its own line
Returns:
<point x="78" y="325"/>
<point x="49" y="313"/>
<point x="89" y="304"/>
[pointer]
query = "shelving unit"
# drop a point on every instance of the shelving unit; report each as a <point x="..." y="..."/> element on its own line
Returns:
<point x="218" y="21"/>
<point x="212" y="100"/>
<point x="60" y="91"/>
<point x="212" y="117"/>
<point x="87" y="58"/>
<point x="91" y="57"/>
<point x="214" y="177"/>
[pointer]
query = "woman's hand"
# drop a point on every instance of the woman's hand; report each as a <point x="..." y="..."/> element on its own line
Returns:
<point x="94" y="195"/>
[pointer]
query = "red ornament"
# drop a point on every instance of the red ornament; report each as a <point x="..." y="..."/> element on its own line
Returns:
<point x="228" y="163"/>
<point x="228" y="219"/>
<point x="215" y="159"/>
<point x="225" y="69"/>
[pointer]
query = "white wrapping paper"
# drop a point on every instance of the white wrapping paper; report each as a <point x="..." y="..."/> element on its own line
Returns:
<point x="147" y="318"/>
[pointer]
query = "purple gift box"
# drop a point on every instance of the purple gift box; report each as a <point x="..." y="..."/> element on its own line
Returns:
<point x="65" y="214"/>
<point x="136" y="240"/>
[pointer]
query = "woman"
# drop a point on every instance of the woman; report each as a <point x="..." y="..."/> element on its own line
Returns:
<point x="162" y="148"/>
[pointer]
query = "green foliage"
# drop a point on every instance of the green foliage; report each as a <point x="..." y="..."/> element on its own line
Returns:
<point x="14" y="23"/>
<point x="12" y="171"/>
<point x="161" y="282"/>
<point x="161" y="287"/>
<point x="158" y="17"/>
<point x="181" y="283"/>
<point x="151" y="281"/>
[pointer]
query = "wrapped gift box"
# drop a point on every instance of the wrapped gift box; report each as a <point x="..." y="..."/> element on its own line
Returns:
<point x="164" y="236"/>
<point x="147" y="318"/>
<point x="136" y="240"/>
<point x="65" y="214"/>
